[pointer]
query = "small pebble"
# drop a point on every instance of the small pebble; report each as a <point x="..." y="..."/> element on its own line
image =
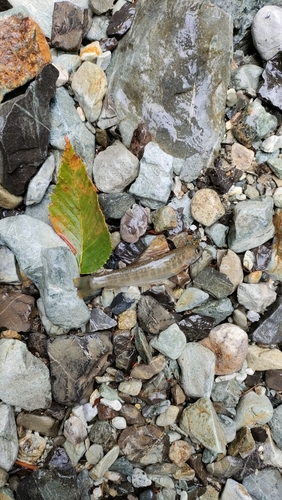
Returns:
<point x="206" y="207"/>
<point x="179" y="452"/>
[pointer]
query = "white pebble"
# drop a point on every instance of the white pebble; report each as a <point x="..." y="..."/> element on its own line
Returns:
<point x="115" y="404"/>
<point x="119" y="423"/>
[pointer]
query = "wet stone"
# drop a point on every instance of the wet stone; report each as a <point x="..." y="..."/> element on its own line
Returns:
<point x="69" y="25"/>
<point x="256" y="297"/>
<point x="121" y="20"/>
<point x="254" y="123"/>
<point x="197" y="365"/>
<point x="145" y="445"/>
<point x="134" y="223"/>
<point x="206" y="207"/>
<point x="19" y="157"/>
<point x="8" y="438"/>
<point x="253" y="409"/>
<point x="153" y="317"/>
<point x="216" y="309"/>
<point x="214" y="282"/>
<point x="252" y="224"/>
<point x="264" y="484"/>
<point x="15" y="310"/>
<point x="114" y="205"/>
<point x="170" y="342"/>
<point x="72" y="374"/>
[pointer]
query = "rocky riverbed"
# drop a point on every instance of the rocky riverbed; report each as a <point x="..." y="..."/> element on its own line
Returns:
<point x="173" y="390"/>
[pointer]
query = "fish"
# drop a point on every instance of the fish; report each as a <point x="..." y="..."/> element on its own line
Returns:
<point x="151" y="271"/>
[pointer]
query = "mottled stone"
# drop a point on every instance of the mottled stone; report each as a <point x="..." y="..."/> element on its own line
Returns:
<point x="261" y="359"/>
<point x="121" y="20"/>
<point x="74" y="362"/>
<point x="8" y="438"/>
<point x="241" y="157"/>
<point x="254" y="124"/>
<point x="190" y="298"/>
<point x="24" y="133"/>
<point x="200" y="420"/>
<point x="141" y="136"/>
<point x="132" y="415"/>
<point x="89" y="84"/>
<point x="114" y="205"/>
<point x="134" y="223"/>
<point x="253" y="409"/>
<point x="31" y="447"/>
<point x="74" y="430"/>
<point x="197" y="365"/>
<point x="269" y="329"/>
<point x="19" y="29"/>
<point x="165" y="101"/>
<point x="124" y="349"/>
<point x="15" y="310"/>
<point x="270" y="90"/>
<point x="266" y="31"/>
<point x="264" y="484"/>
<point x="276" y="166"/>
<point x="91" y="52"/>
<point x="69" y="26"/>
<point x="164" y="218"/>
<point x="154" y="182"/>
<point x="153" y="317"/>
<point x="252" y="224"/>
<point x="246" y="77"/>
<point x="226" y="467"/>
<point x="179" y="452"/>
<point x="25" y="379"/>
<point x="145" y="445"/>
<point x="206" y="206"/>
<point x="214" y="282"/>
<point x="230" y="264"/>
<point x="230" y="346"/>
<point x="217" y="232"/>
<point x="101" y="6"/>
<point x="216" y="309"/>
<point x="99" y="321"/>
<point x="255" y="297"/>
<point x="227" y="391"/>
<point x="243" y="444"/>
<point x="43" y="480"/>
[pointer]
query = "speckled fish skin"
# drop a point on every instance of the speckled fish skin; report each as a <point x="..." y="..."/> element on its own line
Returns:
<point x="147" y="272"/>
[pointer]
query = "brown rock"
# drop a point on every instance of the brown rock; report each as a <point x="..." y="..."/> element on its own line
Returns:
<point x="74" y="430"/>
<point x="31" y="448"/>
<point x="179" y="452"/>
<point x="243" y="445"/>
<point x="195" y="461"/>
<point x="141" y="136"/>
<point x="121" y="20"/>
<point x="69" y="25"/>
<point x="273" y="379"/>
<point x="206" y="207"/>
<point x="231" y="266"/>
<point x="105" y="412"/>
<point x="108" y="44"/>
<point x="43" y="424"/>
<point x="24" y="49"/>
<point x="127" y="319"/>
<point x="8" y="200"/>
<point x="148" y="371"/>
<point x="241" y="157"/>
<point x="230" y="346"/>
<point x="37" y="345"/>
<point x="185" y="473"/>
<point x="134" y="223"/>
<point x="145" y="445"/>
<point x="153" y="317"/>
<point x="178" y="395"/>
<point x="10" y="334"/>
<point x="15" y="310"/>
<point x="132" y="415"/>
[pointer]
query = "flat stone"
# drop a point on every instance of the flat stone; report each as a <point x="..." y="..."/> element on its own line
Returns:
<point x="132" y="415"/>
<point x="66" y="122"/>
<point x="99" y="321"/>
<point x="124" y="349"/>
<point x="15" y="310"/>
<point x="51" y="481"/>
<point x="25" y="378"/>
<point x="115" y="168"/>
<point x="69" y="26"/>
<point x="216" y="309"/>
<point x="89" y="84"/>
<point x="147" y="371"/>
<point x="201" y="422"/>
<point x="225" y="467"/>
<point x="261" y="359"/>
<point x="43" y="424"/>
<point x="153" y="317"/>
<point x="197" y="365"/>
<point x="21" y="152"/>
<point x="190" y="298"/>
<point x="253" y="409"/>
<point x="230" y="264"/>
<point x="132" y="387"/>
<point x="252" y="224"/>
<point x="275" y="426"/>
<point x="230" y="346"/>
<point x="264" y="484"/>
<point x="169" y="113"/>
<point x="246" y="77"/>
<point x="254" y="124"/>
<point x="40" y="182"/>
<point x="145" y="445"/>
<point x="114" y="205"/>
<point x="72" y="375"/>
<point x="206" y="207"/>
<point x="42" y="11"/>
<point x="170" y="342"/>
<point x="33" y="52"/>
<point x="241" y="157"/>
<point x="8" y="438"/>
<point x="255" y="297"/>
<point x="155" y="177"/>
<point x="266" y="31"/>
<point x="273" y="379"/>
<point x="234" y="490"/>
<point x="269" y="329"/>
<point x="121" y="20"/>
<point x="100" y="7"/>
<point x="134" y="223"/>
<point x="214" y="282"/>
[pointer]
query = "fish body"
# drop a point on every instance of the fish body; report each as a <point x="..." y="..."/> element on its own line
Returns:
<point x="151" y="271"/>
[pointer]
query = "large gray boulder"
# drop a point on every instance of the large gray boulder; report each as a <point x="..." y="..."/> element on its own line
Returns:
<point x="171" y="71"/>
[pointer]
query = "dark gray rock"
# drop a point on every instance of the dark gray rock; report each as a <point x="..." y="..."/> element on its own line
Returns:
<point x="99" y="321"/>
<point x="217" y="309"/>
<point x="114" y="205"/>
<point x="74" y="362"/>
<point x="45" y="484"/>
<point x="69" y="25"/>
<point x="121" y="20"/>
<point x="269" y="331"/>
<point x="254" y="124"/>
<point x="270" y="90"/>
<point x="153" y="317"/>
<point x="24" y="131"/>
<point x="215" y="283"/>
<point x="172" y="82"/>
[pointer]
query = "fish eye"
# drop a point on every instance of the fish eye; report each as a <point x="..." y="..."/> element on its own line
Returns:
<point x="198" y="250"/>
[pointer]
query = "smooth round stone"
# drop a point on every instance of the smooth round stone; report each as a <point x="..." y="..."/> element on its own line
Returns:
<point x="232" y="98"/>
<point x="119" y="423"/>
<point x="131" y="387"/>
<point x="277" y="197"/>
<point x="190" y="298"/>
<point x="241" y="157"/>
<point x="253" y="409"/>
<point x="197" y="370"/>
<point x="267" y="31"/>
<point x="229" y="343"/>
<point x="255" y="297"/>
<point x="89" y="84"/>
<point x="170" y="342"/>
<point x="261" y="359"/>
<point x="140" y="479"/>
<point x="74" y="430"/>
<point x="206" y="207"/>
<point x="240" y="319"/>
<point x="114" y="404"/>
<point x="179" y="452"/>
<point x="94" y="454"/>
<point x="168" y="417"/>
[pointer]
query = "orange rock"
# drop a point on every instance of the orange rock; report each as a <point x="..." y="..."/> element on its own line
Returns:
<point x="91" y="51"/>
<point x="24" y="50"/>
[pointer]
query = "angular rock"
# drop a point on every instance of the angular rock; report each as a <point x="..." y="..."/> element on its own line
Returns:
<point x="69" y="26"/>
<point x="206" y="207"/>
<point x="89" y="84"/>
<point x="168" y="417"/>
<point x="24" y="148"/>
<point x="8" y="438"/>
<point x="230" y="346"/>
<point x="270" y="90"/>
<point x="124" y="350"/>
<point x="145" y="445"/>
<point x="246" y="77"/>
<point x="217" y="232"/>
<point x="216" y="309"/>
<point x="141" y="137"/>
<point x="40" y="182"/>
<point x="44" y="484"/>
<point x="234" y="490"/>
<point x="121" y="20"/>
<point x="214" y="282"/>
<point x="266" y="31"/>
<point x="243" y="444"/>
<point x="228" y="392"/>
<point x="255" y="297"/>
<point x="155" y="177"/>
<point x="41" y="210"/>
<point x="43" y="424"/>
<point x="225" y="467"/>
<point x="273" y="379"/>
<point x="275" y="426"/>
<point x="114" y="205"/>
<point x="153" y="317"/>
<point x="25" y="379"/>
<point x="276" y="166"/>
<point x="252" y="224"/>
<point x="165" y="101"/>
<point x="190" y="298"/>
<point x="200" y="421"/>
<point x="15" y="310"/>
<point x="8" y="200"/>
<point x="241" y="157"/>
<point x="269" y="329"/>
<point x="264" y="484"/>
<point x="164" y="218"/>
<point x="180" y="452"/>
<point x="66" y="122"/>
<point x="147" y="371"/>
<point x="197" y="365"/>
<point x="74" y="362"/>
<point x="115" y="168"/>
<point x="18" y="29"/>
<point x="170" y="342"/>
<point x="231" y="265"/>
<point x="261" y="359"/>
<point x="101" y="6"/>
<point x="99" y="321"/>
<point x="8" y="270"/>
<point x="254" y="124"/>
<point x="253" y="409"/>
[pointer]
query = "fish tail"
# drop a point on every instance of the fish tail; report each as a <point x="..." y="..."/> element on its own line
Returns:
<point x="83" y="285"/>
